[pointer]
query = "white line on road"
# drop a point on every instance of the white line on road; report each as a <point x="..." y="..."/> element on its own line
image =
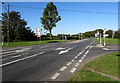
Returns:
<point x="72" y="60"/>
<point x="20" y="59"/>
<point x="77" y="64"/>
<point x="55" y="76"/>
<point x="75" y="57"/>
<point x="15" y="56"/>
<point x="80" y="60"/>
<point x="63" y="68"/>
<point x="68" y="63"/>
<point x="87" y="52"/>
<point x="64" y="51"/>
<point x="73" y="70"/>
<point x="82" y="57"/>
<point x="59" y="48"/>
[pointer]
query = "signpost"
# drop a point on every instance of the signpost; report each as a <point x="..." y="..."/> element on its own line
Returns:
<point x="105" y="35"/>
<point x="39" y="33"/>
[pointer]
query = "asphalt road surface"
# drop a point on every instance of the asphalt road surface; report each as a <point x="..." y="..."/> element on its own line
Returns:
<point x="49" y="62"/>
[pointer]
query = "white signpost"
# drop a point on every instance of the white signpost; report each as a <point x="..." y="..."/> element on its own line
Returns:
<point x="105" y="35"/>
<point x="39" y="32"/>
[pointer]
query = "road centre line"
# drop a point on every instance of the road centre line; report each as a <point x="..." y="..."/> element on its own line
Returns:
<point x="80" y="60"/>
<point x="77" y="64"/>
<point x="68" y="63"/>
<point x="21" y="59"/>
<point x="63" y="68"/>
<point x="73" y="70"/>
<point x="55" y="76"/>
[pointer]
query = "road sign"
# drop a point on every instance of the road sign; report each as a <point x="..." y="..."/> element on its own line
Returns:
<point x="106" y="35"/>
<point x="38" y="32"/>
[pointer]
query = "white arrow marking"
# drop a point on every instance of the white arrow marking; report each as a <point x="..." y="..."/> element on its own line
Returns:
<point x="61" y="52"/>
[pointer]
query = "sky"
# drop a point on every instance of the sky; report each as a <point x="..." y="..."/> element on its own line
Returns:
<point x="73" y="21"/>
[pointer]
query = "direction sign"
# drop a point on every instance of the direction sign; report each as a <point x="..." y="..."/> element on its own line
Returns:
<point x="38" y="32"/>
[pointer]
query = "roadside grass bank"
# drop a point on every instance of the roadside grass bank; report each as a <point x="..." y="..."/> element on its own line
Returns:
<point x="29" y="43"/>
<point x="106" y="64"/>
<point x="108" y="40"/>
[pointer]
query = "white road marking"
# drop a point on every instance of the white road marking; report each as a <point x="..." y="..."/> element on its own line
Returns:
<point x="86" y="52"/>
<point x="91" y="47"/>
<point x="59" y="48"/>
<point x="68" y="63"/>
<point x="87" y="47"/>
<point x="75" y="57"/>
<point x="73" y="70"/>
<point x="77" y="64"/>
<point x="61" y="52"/>
<point x="80" y="60"/>
<point x="20" y="59"/>
<point x="82" y="57"/>
<point x="63" y="68"/>
<point x="55" y="76"/>
<point x="72" y="60"/>
<point x="7" y="52"/>
<point x="15" y="56"/>
<point x="106" y="49"/>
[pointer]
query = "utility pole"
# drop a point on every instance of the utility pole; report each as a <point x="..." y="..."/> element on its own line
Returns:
<point x="8" y="42"/>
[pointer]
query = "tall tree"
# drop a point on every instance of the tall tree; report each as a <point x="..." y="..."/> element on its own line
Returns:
<point x="50" y="17"/>
<point x="17" y="29"/>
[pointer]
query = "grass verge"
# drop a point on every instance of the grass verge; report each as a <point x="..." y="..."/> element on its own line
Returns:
<point x="29" y="43"/>
<point x="108" y="40"/>
<point x="107" y="64"/>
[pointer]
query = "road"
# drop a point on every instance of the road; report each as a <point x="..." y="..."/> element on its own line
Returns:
<point x="49" y="62"/>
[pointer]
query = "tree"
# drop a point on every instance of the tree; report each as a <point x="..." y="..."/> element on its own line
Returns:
<point x="110" y="33"/>
<point x="17" y="28"/>
<point x="50" y="17"/>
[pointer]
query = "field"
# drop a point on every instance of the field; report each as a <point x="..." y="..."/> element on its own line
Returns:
<point x="28" y="43"/>
<point x="108" y="40"/>
<point x="107" y="64"/>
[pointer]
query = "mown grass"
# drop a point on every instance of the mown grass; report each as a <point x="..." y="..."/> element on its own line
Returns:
<point x="29" y="43"/>
<point x="107" y="64"/>
<point x="87" y="75"/>
<point x="108" y="40"/>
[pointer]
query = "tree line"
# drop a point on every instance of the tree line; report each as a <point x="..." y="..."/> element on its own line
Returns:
<point x="111" y="33"/>
<point x="18" y="31"/>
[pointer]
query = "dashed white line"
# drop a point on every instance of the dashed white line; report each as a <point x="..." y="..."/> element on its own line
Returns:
<point x="73" y="70"/>
<point x="63" y="68"/>
<point x="77" y="64"/>
<point x="75" y="57"/>
<point x="80" y="60"/>
<point x="68" y="63"/>
<point x="55" y="76"/>
<point x="20" y="59"/>
<point x="72" y="60"/>
<point x="86" y="52"/>
<point x="83" y="57"/>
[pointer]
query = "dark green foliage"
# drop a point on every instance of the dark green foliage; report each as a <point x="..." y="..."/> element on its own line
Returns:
<point x="17" y="28"/>
<point x="50" y="17"/>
